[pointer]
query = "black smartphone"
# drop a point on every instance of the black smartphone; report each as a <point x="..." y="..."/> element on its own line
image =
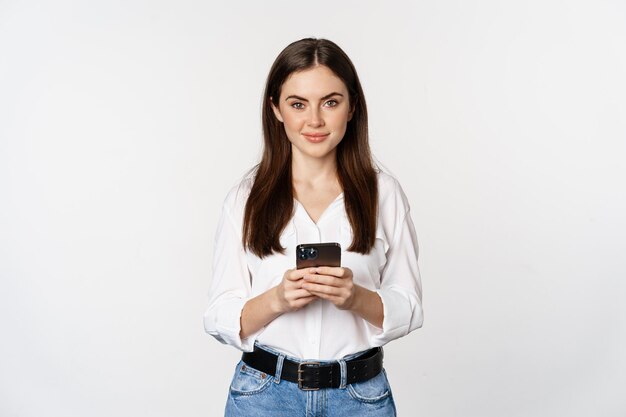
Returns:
<point x="318" y="254"/>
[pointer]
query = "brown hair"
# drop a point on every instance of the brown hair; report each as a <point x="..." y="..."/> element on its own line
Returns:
<point x="270" y="204"/>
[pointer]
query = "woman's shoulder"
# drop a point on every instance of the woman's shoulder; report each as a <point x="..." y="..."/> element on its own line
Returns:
<point x="238" y="193"/>
<point x="386" y="181"/>
<point x="390" y="192"/>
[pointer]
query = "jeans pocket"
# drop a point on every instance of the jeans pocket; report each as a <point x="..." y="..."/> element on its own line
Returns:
<point x="373" y="390"/>
<point x="249" y="381"/>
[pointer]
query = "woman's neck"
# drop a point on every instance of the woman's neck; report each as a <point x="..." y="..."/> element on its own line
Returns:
<point x="313" y="171"/>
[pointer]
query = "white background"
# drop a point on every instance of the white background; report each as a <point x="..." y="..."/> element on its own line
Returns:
<point x="124" y="123"/>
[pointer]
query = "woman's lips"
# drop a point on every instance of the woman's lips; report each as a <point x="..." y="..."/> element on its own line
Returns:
<point x="316" y="138"/>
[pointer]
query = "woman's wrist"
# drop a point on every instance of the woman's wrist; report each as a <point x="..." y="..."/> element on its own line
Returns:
<point x="357" y="299"/>
<point x="274" y="301"/>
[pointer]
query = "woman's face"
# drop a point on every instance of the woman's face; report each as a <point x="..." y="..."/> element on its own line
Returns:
<point x="314" y="108"/>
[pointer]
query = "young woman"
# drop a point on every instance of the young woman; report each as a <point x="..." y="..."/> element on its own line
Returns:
<point x="312" y="338"/>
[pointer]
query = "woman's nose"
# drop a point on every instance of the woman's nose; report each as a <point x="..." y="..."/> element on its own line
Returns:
<point x="315" y="118"/>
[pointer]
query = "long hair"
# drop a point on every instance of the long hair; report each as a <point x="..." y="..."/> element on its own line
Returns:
<point x="270" y="204"/>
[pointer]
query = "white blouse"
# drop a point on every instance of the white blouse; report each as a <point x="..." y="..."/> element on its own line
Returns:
<point x="319" y="330"/>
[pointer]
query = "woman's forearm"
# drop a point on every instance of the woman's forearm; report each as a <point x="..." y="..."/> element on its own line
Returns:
<point x="258" y="312"/>
<point x="264" y="308"/>
<point x="368" y="305"/>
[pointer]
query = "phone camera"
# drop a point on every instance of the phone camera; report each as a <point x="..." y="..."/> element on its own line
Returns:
<point x="307" y="253"/>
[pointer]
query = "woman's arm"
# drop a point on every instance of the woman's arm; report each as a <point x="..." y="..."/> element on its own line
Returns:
<point x="286" y="296"/>
<point x="368" y="305"/>
<point x="258" y="312"/>
<point x="231" y="287"/>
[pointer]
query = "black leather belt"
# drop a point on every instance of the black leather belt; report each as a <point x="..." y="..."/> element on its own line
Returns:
<point x="310" y="375"/>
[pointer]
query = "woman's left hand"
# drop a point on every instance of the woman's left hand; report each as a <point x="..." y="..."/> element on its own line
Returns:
<point x="333" y="284"/>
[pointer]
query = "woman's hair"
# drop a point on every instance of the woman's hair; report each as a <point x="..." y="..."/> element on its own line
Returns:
<point x="271" y="202"/>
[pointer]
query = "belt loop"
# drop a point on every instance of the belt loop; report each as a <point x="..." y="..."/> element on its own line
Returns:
<point x="344" y="374"/>
<point x="279" y="368"/>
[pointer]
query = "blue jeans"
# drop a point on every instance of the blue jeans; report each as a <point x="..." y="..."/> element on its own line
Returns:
<point x="253" y="393"/>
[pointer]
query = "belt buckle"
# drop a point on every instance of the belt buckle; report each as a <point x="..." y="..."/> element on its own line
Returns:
<point x="300" y="380"/>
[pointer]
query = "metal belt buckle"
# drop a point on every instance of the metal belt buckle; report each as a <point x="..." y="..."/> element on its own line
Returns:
<point x="300" y="380"/>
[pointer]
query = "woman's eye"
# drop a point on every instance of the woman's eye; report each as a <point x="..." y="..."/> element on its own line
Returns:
<point x="299" y="106"/>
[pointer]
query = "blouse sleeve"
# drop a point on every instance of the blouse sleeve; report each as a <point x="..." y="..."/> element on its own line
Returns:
<point x="231" y="285"/>
<point x="400" y="286"/>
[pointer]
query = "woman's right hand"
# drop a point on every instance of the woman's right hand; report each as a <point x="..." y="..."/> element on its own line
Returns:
<point x="290" y="296"/>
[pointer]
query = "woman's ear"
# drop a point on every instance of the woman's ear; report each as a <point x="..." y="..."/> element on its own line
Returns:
<point x="276" y="111"/>
<point x="351" y="113"/>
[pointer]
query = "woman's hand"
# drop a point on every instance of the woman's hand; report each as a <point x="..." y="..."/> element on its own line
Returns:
<point x="333" y="284"/>
<point x="289" y="294"/>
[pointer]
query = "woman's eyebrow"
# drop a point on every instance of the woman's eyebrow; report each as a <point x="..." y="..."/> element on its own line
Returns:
<point x="334" y="93"/>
